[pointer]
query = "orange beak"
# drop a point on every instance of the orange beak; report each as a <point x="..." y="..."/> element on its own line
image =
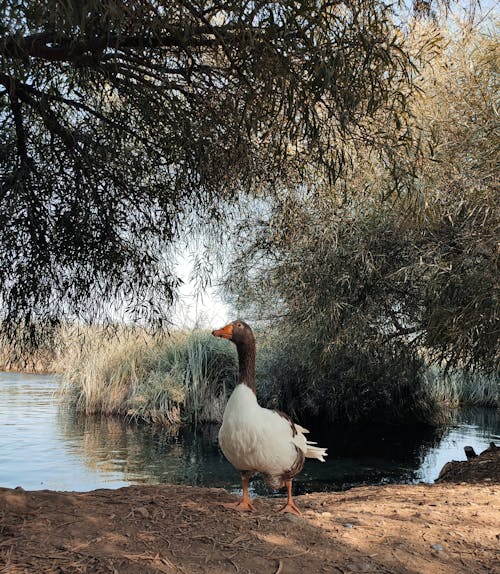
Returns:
<point x="226" y="332"/>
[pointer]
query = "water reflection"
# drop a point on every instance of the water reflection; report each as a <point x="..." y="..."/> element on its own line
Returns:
<point x="148" y="454"/>
<point x="45" y="446"/>
<point x="357" y="455"/>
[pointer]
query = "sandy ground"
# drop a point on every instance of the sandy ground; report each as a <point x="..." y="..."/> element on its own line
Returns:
<point x="442" y="528"/>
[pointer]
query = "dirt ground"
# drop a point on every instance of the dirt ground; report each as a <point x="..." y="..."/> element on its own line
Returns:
<point x="424" y="529"/>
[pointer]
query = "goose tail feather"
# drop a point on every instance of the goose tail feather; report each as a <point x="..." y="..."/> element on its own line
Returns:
<point x="316" y="452"/>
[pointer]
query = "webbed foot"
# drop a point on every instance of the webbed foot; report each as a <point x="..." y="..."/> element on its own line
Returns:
<point x="243" y="505"/>
<point x="290" y="507"/>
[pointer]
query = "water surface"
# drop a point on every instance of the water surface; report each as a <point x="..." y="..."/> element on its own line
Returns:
<point x="44" y="445"/>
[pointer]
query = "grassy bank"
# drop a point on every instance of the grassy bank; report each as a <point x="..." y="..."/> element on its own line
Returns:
<point x="187" y="377"/>
<point x="184" y="377"/>
<point x="41" y="360"/>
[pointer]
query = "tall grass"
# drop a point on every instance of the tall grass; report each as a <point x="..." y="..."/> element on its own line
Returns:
<point x="187" y="377"/>
<point x="17" y="357"/>
<point x="460" y="388"/>
<point x="182" y="377"/>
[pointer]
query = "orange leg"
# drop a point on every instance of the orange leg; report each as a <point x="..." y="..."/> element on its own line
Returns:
<point x="290" y="504"/>
<point x="244" y="503"/>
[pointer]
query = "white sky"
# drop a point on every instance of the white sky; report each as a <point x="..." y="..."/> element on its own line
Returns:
<point x="198" y="308"/>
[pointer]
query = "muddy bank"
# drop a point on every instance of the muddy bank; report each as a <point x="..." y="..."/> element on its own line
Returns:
<point x="481" y="468"/>
<point x="441" y="528"/>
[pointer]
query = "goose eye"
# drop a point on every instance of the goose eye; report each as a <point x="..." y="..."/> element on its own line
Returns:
<point x="239" y="325"/>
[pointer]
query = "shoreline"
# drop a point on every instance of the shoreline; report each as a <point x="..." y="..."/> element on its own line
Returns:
<point x="439" y="528"/>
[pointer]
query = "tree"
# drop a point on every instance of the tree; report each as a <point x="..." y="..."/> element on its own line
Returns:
<point x="357" y="282"/>
<point x="120" y="120"/>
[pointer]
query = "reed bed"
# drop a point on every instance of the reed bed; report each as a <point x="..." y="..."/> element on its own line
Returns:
<point x="183" y="377"/>
<point x="187" y="377"/>
<point x="462" y="388"/>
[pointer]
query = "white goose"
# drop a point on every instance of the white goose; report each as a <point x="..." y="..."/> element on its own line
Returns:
<point x="255" y="439"/>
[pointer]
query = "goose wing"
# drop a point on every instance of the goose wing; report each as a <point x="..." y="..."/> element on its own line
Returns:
<point x="297" y="433"/>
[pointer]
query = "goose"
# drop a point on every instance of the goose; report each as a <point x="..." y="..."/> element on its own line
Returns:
<point x="255" y="439"/>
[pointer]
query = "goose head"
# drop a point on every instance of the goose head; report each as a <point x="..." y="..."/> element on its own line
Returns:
<point x="238" y="332"/>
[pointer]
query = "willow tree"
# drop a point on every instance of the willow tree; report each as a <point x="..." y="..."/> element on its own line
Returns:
<point x="120" y="120"/>
<point x="361" y="288"/>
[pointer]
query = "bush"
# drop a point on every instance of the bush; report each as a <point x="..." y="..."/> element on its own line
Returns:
<point x="362" y="288"/>
<point x="348" y="383"/>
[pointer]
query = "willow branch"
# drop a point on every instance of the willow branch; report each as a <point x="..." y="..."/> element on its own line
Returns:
<point x="35" y="104"/>
<point x="48" y="46"/>
<point x="22" y="149"/>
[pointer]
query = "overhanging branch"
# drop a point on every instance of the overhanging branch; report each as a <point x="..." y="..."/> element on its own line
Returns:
<point x="15" y="105"/>
<point x="50" y="47"/>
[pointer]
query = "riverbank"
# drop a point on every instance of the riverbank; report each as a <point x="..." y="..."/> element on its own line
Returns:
<point x="186" y="377"/>
<point x="438" y="529"/>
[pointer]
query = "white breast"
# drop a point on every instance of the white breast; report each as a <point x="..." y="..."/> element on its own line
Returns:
<point x="257" y="439"/>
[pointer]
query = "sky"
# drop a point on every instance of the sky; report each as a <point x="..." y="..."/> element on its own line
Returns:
<point x="198" y="308"/>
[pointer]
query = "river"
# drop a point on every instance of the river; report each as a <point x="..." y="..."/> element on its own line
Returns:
<point x="44" y="445"/>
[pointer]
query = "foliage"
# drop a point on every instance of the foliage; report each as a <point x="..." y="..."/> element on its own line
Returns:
<point x="364" y="288"/>
<point x="187" y="377"/>
<point x="457" y="201"/>
<point x="182" y="377"/>
<point x="122" y="121"/>
<point x="355" y="383"/>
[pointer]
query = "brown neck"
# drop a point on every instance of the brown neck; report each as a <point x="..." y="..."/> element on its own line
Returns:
<point x="246" y="362"/>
